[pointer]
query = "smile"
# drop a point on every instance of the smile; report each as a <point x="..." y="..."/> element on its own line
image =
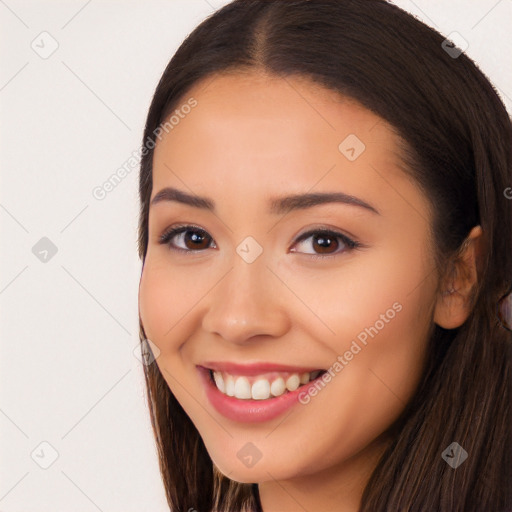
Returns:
<point x="254" y="393"/>
<point x="261" y="387"/>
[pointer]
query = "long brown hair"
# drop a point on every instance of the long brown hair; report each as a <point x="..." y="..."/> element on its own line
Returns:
<point x="458" y="147"/>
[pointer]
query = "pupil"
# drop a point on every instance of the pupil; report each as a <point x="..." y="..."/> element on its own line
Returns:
<point x="195" y="238"/>
<point x="323" y="242"/>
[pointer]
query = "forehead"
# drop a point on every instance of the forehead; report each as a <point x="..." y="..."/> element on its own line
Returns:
<point x="255" y="110"/>
<point x="250" y="134"/>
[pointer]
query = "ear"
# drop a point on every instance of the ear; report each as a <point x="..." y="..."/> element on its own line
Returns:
<point x="454" y="302"/>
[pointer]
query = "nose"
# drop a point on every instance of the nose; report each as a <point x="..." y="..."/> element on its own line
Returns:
<point x="248" y="302"/>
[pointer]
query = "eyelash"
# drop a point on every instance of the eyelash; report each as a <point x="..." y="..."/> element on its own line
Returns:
<point x="349" y="244"/>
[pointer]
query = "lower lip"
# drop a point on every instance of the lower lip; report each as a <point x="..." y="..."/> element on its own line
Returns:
<point x="250" y="411"/>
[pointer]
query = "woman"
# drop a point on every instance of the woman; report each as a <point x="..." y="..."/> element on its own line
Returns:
<point x="324" y="238"/>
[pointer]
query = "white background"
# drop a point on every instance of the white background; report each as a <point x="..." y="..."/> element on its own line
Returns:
<point x="68" y="327"/>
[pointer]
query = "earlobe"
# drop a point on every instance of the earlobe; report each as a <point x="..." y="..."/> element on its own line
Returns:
<point x="455" y="298"/>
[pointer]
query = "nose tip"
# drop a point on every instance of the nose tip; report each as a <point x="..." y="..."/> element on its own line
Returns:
<point x="246" y="304"/>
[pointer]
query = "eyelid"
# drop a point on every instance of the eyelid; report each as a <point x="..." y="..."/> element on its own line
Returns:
<point x="323" y="230"/>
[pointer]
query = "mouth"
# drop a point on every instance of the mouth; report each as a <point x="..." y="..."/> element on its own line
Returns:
<point x="254" y="393"/>
<point x="264" y="386"/>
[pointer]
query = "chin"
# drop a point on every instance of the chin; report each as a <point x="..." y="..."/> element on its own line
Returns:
<point x="260" y="472"/>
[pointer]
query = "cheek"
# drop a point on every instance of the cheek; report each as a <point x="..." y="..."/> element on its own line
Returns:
<point x="171" y="301"/>
<point x="159" y="305"/>
<point x="163" y="306"/>
<point x="385" y="290"/>
<point x="385" y="321"/>
<point x="382" y="362"/>
<point x="378" y="310"/>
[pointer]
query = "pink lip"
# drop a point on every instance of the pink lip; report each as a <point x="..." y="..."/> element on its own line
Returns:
<point x="252" y="369"/>
<point x="250" y="411"/>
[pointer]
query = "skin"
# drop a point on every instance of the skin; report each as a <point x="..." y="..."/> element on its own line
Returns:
<point x="250" y="138"/>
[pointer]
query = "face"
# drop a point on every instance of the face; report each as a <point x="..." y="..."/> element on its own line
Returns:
<point x="268" y="291"/>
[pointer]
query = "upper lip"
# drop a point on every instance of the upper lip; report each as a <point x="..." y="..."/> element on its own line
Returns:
<point x="251" y="369"/>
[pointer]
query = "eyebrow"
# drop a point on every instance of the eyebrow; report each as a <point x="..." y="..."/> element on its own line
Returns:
<point x="278" y="205"/>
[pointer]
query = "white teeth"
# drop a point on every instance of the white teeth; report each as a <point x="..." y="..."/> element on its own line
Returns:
<point x="278" y="387"/>
<point x="230" y="386"/>
<point x="293" y="382"/>
<point x="242" y="388"/>
<point x="260" y="388"/>
<point x="219" y="381"/>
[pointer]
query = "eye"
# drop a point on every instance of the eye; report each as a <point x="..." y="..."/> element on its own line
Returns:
<point x="324" y="243"/>
<point x="187" y="239"/>
<point x="321" y="242"/>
